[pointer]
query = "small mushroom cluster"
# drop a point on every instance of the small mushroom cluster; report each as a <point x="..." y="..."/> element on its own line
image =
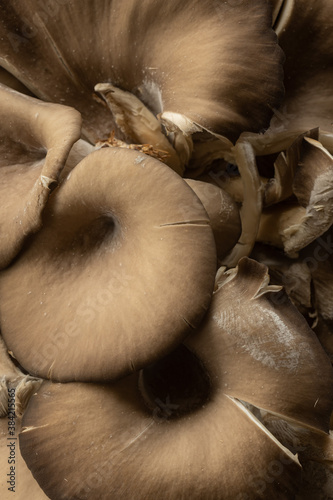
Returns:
<point x="166" y="180"/>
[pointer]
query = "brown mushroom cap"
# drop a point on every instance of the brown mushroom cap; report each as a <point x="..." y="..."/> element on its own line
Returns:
<point x="122" y="270"/>
<point x="93" y="441"/>
<point x="189" y="58"/>
<point x="35" y="140"/>
<point x="263" y="335"/>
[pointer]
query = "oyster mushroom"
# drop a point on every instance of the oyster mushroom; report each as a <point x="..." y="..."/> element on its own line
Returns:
<point x="123" y="238"/>
<point x="204" y="452"/>
<point x="168" y="55"/>
<point x="36" y="138"/>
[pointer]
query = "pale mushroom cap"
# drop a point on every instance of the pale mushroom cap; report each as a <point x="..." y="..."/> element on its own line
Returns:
<point x="190" y="58"/>
<point x="122" y="270"/>
<point x="218" y="452"/>
<point x="35" y="140"/>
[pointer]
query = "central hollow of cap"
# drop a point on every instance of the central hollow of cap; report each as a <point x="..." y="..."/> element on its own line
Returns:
<point x="175" y="385"/>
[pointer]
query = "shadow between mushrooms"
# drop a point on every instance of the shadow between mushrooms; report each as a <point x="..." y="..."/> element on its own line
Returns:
<point x="121" y="271"/>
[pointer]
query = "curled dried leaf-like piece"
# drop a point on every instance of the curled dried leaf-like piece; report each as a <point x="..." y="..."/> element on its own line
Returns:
<point x="35" y="141"/>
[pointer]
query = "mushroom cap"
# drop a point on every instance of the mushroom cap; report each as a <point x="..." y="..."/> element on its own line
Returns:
<point x="35" y="140"/>
<point x="220" y="451"/>
<point x="251" y="331"/>
<point x="190" y="58"/>
<point x="26" y="488"/>
<point x="121" y="271"/>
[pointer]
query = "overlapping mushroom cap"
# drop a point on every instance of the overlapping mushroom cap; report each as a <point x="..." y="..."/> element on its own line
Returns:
<point x="121" y="271"/>
<point x="188" y="59"/>
<point x="214" y="451"/>
<point x="35" y="141"/>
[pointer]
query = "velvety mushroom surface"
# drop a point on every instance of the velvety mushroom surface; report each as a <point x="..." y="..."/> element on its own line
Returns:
<point x="121" y="271"/>
<point x="186" y="60"/>
<point x="35" y="141"/>
<point x="145" y="448"/>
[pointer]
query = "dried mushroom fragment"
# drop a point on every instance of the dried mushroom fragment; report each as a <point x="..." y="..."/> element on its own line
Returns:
<point x="123" y="240"/>
<point x="35" y="140"/>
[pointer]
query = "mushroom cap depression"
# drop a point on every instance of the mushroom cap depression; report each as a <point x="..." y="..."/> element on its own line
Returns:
<point x="35" y="140"/>
<point x="189" y="59"/>
<point x="89" y="441"/>
<point x="121" y="271"/>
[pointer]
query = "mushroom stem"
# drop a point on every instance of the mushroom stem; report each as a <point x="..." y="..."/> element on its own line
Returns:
<point x="250" y="210"/>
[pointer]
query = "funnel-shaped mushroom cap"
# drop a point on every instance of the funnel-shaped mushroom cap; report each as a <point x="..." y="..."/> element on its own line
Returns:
<point x="192" y="58"/>
<point x="89" y="441"/>
<point x="35" y="140"/>
<point x="269" y="355"/>
<point x="122" y="269"/>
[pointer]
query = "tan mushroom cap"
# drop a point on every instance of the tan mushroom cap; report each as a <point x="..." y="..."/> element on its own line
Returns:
<point x="270" y="357"/>
<point x="122" y="270"/>
<point x="93" y="441"/>
<point x="35" y="140"/>
<point x="187" y="58"/>
<point x="223" y="214"/>
<point x="25" y="486"/>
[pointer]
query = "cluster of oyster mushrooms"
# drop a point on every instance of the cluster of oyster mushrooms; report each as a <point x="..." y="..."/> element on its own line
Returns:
<point x="166" y="305"/>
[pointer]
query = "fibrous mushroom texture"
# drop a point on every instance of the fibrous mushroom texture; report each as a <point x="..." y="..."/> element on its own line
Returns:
<point x="166" y="179"/>
<point x="122" y="241"/>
